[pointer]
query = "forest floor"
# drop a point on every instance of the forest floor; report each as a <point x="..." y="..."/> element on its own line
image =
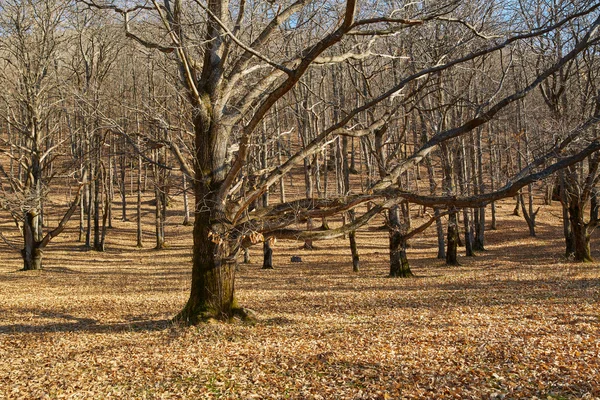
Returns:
<point x="517" y="321"/>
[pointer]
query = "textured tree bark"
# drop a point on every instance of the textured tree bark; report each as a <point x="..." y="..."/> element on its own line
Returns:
<point x="213" y="264"/>
<point x="213" y="275"/>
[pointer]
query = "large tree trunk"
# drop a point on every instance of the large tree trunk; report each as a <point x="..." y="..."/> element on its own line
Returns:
<point x="213" y="269"/>
<point x="213" y="274"/>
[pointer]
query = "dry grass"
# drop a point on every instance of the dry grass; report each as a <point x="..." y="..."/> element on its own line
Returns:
<point x="514" y="322"/>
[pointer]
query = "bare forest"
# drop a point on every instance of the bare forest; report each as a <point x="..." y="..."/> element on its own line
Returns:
<point x="304" y="199"/>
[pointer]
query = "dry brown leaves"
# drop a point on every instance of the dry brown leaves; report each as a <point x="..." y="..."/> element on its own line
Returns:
<point x="514" y="322"/>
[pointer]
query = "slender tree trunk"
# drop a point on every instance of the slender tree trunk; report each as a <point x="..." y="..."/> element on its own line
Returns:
<point x="186" y="206"/>
<point x="139" y="242"/>
<point x="594" y="206"/>
<point x="267" y="255"/>
<point x="158" y="220"/>
<point x="528" y="215"/>
<point x="461" y="168"/>
<point x="452" y="240"/>
<point x="479" y="242"/>
<point x="105" y="217"/>
<point x="353" y="246"/>
<point x="567" y="231"/>
<point x="31" y="253"/>
<point x="97" y="206"/>
<point x="81" y="218"/>
<point x="399" y="266"/>
<point x="439" y="227"/>
<point x="90" y="209"/>
<point x="110" y="194"/>
<point x="123" y="189"/>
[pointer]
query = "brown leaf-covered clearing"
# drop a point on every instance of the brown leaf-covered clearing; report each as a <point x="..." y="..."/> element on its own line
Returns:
<point x="514" y="322"/>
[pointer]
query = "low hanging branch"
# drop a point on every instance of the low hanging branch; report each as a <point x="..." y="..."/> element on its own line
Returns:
<point x="331" y="233"/>
<point x="508" y="190"/>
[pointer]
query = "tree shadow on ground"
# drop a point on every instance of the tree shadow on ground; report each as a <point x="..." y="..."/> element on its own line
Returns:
<point x="90" y="325"/>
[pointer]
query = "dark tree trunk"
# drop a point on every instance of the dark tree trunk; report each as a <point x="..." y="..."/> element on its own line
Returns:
<point x="353" y="246"/>
<point x="354" y="250"/>
<point x="267" y="255"/>
<point x="516" y="209"/>
<point x="81" y="218"/>
<point x="186" y="206"/>
<point x="452" y="240"/>
<point x="493" y="225"/>
<point x="90" y="202"/>
<point x="567" y="230"/>
<point x="439" y="227"/>
<point x="579" y="229"/>
<point x="594" y="206"/>
<point x="31" y="253"/>
<point x="213" y="274"/>
<point x="479" y="243"/>
<point x="399" y="266"/>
